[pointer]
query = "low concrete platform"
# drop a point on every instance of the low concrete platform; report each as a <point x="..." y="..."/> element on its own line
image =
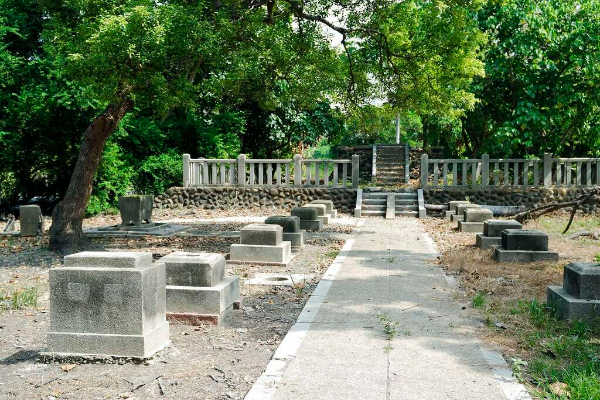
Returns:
<point x="571" y="308"/>
<point x="194" y="304"/>
<point x="470" y="227"/>
<point x="457" y="218"/>
<point x="295" y="238"/>
<point x="152" y="229"/>
<point x="485" y="242"/>
<point x="524" y="256"/>
<point x="67" y="344"/>
<point x="279" y="255"/>
<point x="449" y="214"/>
<point x="324" y="219"/>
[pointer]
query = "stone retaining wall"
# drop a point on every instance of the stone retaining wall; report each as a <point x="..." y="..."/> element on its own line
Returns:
<point x="282" y="198"/>
<point x="365" y="159"/>
<point x="528" y="197"/>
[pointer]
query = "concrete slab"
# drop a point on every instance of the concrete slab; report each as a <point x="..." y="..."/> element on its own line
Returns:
<point x="203" y="300"/>
<point x="470" y="227"/>
<point x="571" y="308"/>
<point x="524" y="256"/>
<point x="495" y="227"/>
<point x="278" y="255"/>
<point x="261" y="235"/>
<point x="194" y="269"/>
<point x="297" y="239"/>
<point x="311" y="225"/>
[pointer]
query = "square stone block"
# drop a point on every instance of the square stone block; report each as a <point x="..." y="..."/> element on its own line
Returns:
<point x="324" y="219"/>
<point x="109" y="259"/>
<point x="478" y="215"/>
<point x="494" y="228"/>
<point x="305" y="213"/>
<point x="520" y="239"/>
<point x="460" y="209"/>
<point x="470" y="227"/>
<point x="272" y="255"/>
<point x="32" y="221"/>
<point x="194" y="269"/>
<point x="112" y="311"/>
<point x="295" y="238"/>
<point x="570" y="307"/>
<point x="314" y="225"/>
<point x="261" y="234"/>
<point x="485" y="242"/>
<point x="321" y="209"/>
<point x="203" y="300"/>
<point x="582" y="280"/>
<point x="136" y="209"/>
<point x="452" y="205"/>
<point x="327" y="203"/>
<point x="289" y="224"/>
<point x="332" y="213"/>
<point x="524" y="256"/>
<point x="457" y="217"/>
<point x="449" y="214"/>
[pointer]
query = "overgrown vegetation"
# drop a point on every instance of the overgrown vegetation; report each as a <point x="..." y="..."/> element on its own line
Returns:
<point x="20" y="299"/>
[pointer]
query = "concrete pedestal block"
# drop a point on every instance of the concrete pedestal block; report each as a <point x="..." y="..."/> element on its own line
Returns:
<point x="571" y="307"/>
<point x="485" y="242"/>
<point x="288" y="224"/>
<point x="460" y="209"/>
<point x="520" y="239"/>
<point x="314" y="225"/>
<point x="449" y="214"/>
<point x="332" y="213"/>
<point x="470" y="227"/>
<point x="32" y="221"/>
<point x="136" y="209"/>
<point x="452" y="205"/>
<point x="254" y="254"/>
<point x="202" y="304"/>
<point x="261" y="235"/>
<point x="495" y="227"/>
<point x="456" y="218"/>
<point x="327" y="203"/>
<point x="295" y="238"/>
<point x="305" y="213"/>
<point x="324" y="219"/>
<point x="582" y="280"/>
<point x="524" y="256"/>
<point x="478" y="215"/>
<point x="193" y="269"/>
<point x="108" y="304"/>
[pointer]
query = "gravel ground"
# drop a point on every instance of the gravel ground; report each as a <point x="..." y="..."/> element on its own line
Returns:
<point x="205" y="362"/>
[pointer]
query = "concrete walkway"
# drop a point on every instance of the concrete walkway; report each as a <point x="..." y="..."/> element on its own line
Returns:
<point x="336" y="350"/>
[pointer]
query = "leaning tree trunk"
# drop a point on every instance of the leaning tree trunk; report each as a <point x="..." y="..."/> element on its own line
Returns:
<point x="66" y="233"/>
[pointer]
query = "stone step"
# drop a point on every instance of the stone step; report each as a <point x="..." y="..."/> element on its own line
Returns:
<point x="372" y="213"/>
<point x="389" y="163"/>
<point x="407" y="208"/>
<point x="383" y="195"/>
<point x="406" y="202"/>
<point x="373" y="207"/>
<point x="375" y="202"/>
<point x="407" y="213"/>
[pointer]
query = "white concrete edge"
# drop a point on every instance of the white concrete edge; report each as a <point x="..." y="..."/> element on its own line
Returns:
<point x="510" y="386"/>
<point x="266" y="385"/>
<point x="343" y="220"/>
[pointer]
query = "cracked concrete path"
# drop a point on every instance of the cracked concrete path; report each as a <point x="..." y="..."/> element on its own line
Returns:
<point x="434" y="355"/>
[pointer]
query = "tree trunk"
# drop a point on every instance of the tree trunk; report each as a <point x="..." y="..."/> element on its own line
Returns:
<point x="66" y="233"/>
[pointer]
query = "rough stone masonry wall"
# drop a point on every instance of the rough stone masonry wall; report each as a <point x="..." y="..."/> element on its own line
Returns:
<point x="365" y="159"/>
<point x="278" y="198"/>
<point x="528" y="197"/>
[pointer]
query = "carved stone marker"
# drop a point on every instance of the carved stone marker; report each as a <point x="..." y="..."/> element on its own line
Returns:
<point x="579" y="297"/>
<point x="308" y="218"/>
<point x="261" y="244"/>
<point x="321" y="212"/>
<point x="291" y="229"/>
<point x="474" y="219"/>
<point x="32" y="221"/>
<point x="492" y="232"/>
<point x="197" y="289"/>
<point x="108" y="304"/>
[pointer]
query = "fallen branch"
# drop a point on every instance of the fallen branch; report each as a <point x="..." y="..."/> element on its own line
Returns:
<point x="592" y="234"/>
<point x="549" y="208"/>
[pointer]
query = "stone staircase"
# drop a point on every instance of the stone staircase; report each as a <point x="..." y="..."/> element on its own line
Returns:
<point x="389" y="205"/>
<point x="390" y="162"/>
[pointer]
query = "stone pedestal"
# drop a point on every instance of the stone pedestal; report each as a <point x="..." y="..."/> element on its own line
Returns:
<point x="136" y="209"/>
<point x="452" y="205"/>
<point x="291" y="229"/>
<point x="32" y="221"/>
<point x="321" y="212"/>
<point x="520" y="245"/>
<point x="579" y="298"/>
<point x="107" y="304"/>
<point x="474" y="219"/>
<point x="197" y="289"/>
<point x="261" y="244"/>
<point x="492" y="232"/>
<point x="330" y="210"/>
<point x="308" y="218"/>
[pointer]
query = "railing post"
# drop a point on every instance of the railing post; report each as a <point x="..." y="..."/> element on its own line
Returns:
<point x="485" y="170"/>
<point x="424" y="170"/>
<point x="355" y="170"/>
<point x="547" y="170"/>
<point x="297" y="171"/>
<point x="374" y="164"/>
<point x="186" y="170"/>
<point x="241" y="170"/>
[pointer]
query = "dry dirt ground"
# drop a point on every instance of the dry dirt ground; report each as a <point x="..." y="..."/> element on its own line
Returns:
<point x="205" y="362"/>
